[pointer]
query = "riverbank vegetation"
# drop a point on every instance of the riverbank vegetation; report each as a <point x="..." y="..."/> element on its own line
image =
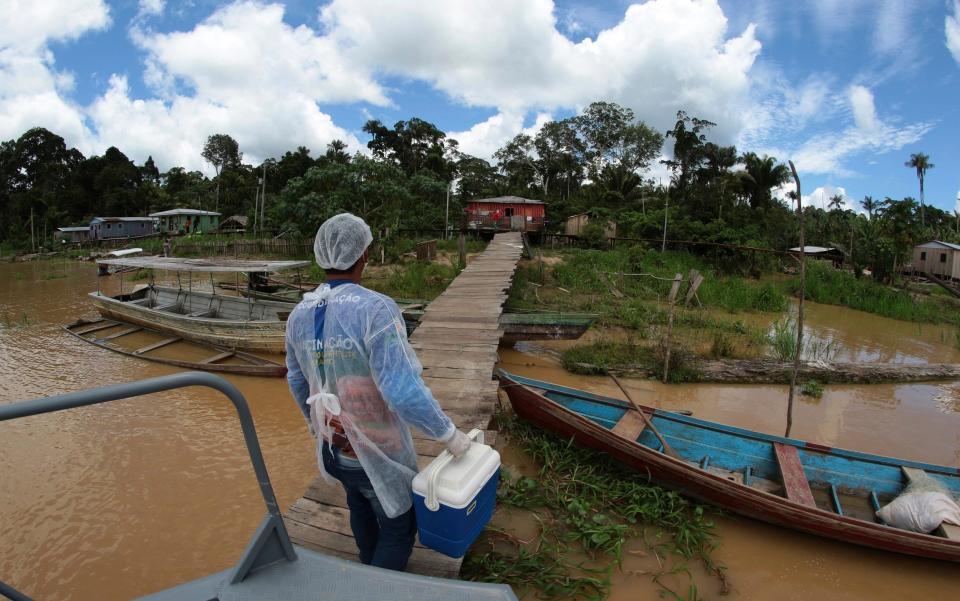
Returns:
<point x="837" y="287"/>
<point x="588" y="509"/>
<point x="417" y="179"/>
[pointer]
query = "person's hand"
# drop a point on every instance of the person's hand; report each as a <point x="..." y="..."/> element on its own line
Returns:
<point x="458" y="444"/>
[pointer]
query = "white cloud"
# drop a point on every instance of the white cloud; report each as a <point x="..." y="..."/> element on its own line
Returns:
<point x="821" y="196"/>
<point x="152" y="8"/>
<point x="486" y="137"/>
<point x="662" y="56"/>
<point x="842" y="127"/>
<point x="951" y="27"/>
<point x="31" y="24"/>
<point x="892" y="34"/>
<point x="864" y="110"/>
<point x="246" y="72"/>
<point x="31" y="89"/>
<point x="174" y="131"/>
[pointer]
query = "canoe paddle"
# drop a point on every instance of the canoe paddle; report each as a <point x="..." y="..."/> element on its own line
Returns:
<point x="648" y="422"/>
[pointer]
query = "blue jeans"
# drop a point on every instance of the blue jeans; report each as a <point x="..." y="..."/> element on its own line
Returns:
<point x="384" y="542"/>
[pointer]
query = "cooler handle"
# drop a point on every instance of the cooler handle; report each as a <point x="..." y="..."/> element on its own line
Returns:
<point x="438" y="464"/>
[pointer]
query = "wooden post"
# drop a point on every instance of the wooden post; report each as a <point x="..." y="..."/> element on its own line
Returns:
<point x="803" y="280"/>
<point x="666" y="210"/>
<point x="674" y="289"/>
<point x="462" y="245"/>
<point x="695" y="280"/>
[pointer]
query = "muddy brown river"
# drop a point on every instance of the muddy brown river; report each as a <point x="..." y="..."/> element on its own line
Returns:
<point x="122" y="499"/>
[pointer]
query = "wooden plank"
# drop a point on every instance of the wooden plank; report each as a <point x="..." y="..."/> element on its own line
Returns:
<point x="156" y="345"/>
<point x="121" y="333"/>
<point x="454" y="373"/>
<point x="102" y="326"/>
<point x="422" y="561"/>
<point x="949" y="531"/>
<point x="630" y="425"/>
<point x="794" y="479"/>
<point x="219" y="357"/>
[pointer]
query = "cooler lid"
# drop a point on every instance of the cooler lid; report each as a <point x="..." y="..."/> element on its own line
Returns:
<point x="462" y="478"/>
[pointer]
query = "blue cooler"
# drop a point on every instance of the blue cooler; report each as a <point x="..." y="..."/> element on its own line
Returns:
<point x="454" y="498"/>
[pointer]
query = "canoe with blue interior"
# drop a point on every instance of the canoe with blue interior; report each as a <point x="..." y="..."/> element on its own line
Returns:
<point x="801" y="485"/>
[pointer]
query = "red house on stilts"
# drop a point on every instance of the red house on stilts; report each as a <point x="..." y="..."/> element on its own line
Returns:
<point x="505" y="213"/>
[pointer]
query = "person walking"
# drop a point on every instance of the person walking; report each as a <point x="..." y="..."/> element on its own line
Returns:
<point x="358" y="383"/>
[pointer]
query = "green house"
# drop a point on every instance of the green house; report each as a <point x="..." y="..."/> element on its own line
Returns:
<point x="186" y="221"/>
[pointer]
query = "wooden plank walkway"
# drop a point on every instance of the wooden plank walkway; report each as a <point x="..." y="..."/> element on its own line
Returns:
<point x="456" y="341"/>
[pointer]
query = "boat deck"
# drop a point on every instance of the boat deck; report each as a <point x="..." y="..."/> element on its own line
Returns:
<point x="456" y="342"/>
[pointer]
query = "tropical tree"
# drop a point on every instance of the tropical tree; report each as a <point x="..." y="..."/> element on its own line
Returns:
<point x="688" y="148"/>
<point x="836" y="202"/>
<point x="921" y="163"/>
<point x="869" y="205"/>
<point x="765" y="175"/>
<point x="413" y="145"/>
<point x="222" y="152"/>
<point x="612" y="136"/>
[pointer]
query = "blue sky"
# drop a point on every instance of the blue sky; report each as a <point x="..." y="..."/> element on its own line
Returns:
<point x="846" y="88"/>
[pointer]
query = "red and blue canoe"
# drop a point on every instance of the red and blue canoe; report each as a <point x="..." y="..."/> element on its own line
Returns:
<point x="784" y="481"/>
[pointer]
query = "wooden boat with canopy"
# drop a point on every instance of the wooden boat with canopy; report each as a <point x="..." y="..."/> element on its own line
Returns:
<point x="801" y="485"/>
<point x="226" y="321"/>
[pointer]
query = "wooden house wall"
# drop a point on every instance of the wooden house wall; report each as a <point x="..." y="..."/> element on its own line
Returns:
<point x="932" y="263"/>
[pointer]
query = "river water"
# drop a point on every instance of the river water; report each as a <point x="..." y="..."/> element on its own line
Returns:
<point x="126" y="498"/>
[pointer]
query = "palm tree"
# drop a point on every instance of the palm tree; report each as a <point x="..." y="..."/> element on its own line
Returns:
<point x="765" y="174"/>
<point x="869" y="205"/>
<point x="921" y="163"/>
<point x="836" y="202"/>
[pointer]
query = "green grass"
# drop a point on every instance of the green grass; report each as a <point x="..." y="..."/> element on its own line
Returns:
<point x="835" y="287"/>
<point x="586" y="504"/>
<point x="812" y="388"/>
<point x="605" y="356"/>
<point x="783" y="340"/>
<point x="414" y="280"/>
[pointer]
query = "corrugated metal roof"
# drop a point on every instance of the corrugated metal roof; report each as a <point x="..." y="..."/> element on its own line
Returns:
<point x="508" y="200"/>
<point x="104" y="219"/>
<point x="208" y="265"/>
<point x="949" y="245"/>
<point x="79" y="228"/>
<point x="812" y="249"/>
<point x="183" y="212"/>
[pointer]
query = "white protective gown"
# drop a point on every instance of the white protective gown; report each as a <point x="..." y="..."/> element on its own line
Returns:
<point x="362" y="369"/>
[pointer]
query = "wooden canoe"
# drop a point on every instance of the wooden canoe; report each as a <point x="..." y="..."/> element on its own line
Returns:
<point x="224" y="321"/>
<point x="104" y="336"/>
<point x="787" y="482"/>
<point x="528" y="325"/>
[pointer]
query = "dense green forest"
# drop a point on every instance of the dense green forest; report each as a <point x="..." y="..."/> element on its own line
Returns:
<point x="588" y="162"/>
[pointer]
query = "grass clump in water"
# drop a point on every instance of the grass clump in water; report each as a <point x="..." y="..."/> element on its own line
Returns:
<point x="812" y="388"/>
<point x="586" y="504"/>
<point x="783" y="340"/>
<point x="604" y="356"/>
<point x="722" y="346"/>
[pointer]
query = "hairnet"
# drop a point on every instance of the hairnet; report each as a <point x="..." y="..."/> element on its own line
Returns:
<point x="340" y="241"/>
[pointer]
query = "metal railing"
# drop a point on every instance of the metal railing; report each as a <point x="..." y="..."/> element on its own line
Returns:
<point x="270" y="543"/>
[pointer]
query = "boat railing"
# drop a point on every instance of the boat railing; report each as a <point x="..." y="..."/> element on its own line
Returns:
<point x="270" y="543"/>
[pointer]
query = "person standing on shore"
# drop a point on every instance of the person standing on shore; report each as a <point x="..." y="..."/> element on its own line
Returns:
<point x="357" y="381"/>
